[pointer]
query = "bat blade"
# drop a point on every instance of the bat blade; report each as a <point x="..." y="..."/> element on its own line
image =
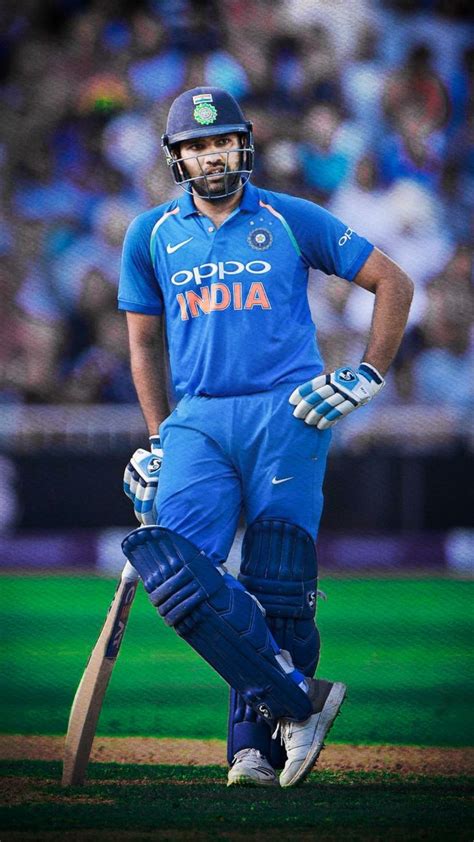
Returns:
<point x="90" y="694"/>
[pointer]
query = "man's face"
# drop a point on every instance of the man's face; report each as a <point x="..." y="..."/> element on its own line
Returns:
<point x="211" y="161"/>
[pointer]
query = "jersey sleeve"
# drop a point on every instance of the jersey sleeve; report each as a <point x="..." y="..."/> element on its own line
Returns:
<point x="324" y="241"/>
<point x="139" y="290"/>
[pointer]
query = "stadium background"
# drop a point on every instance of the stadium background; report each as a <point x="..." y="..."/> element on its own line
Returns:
<point x="363" y="107"/>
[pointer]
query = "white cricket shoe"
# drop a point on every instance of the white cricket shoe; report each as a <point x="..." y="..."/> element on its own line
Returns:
<point x="251" y="768"/>
<point x="303" y="741"/>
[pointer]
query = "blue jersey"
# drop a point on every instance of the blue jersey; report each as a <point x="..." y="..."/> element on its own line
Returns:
<point x="235" y="298"/>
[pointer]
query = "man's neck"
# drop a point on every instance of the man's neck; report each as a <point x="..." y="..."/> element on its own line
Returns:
<point x="217" y="211"/>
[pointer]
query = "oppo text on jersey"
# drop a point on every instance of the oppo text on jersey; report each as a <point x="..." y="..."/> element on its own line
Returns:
<point x="220" y="270"/>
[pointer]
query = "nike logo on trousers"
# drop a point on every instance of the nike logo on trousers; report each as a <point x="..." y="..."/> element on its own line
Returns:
<point x="171" y="249"/>
<point x="276" y="481"/>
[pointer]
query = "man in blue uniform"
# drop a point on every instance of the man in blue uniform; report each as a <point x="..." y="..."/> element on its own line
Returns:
<point x="217" y="280"/>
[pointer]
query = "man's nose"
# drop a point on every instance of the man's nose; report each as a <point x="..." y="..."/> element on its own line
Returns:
<point x="214" y="155"/>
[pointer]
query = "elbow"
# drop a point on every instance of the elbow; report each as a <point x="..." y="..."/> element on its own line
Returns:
<point x="407" y="289"/>
<point x="404" y="284"/>
<point x="408" y="285"/>
<point x="398" y="283"/>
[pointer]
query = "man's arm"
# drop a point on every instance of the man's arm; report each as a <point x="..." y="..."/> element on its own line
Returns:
<point x="326" y="399"/>
<point x="393" y="291"/>
<point x="148" y="364"/>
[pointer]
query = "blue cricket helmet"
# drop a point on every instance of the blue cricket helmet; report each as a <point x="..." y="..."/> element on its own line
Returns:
<point x="204" y="112"/>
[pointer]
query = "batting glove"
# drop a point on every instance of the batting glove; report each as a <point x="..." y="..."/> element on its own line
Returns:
<point x="328" y="398"/>
<point x="140" y="481"/>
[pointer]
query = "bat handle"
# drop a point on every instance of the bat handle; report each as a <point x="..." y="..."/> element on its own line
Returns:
<point x="129" y="574"/>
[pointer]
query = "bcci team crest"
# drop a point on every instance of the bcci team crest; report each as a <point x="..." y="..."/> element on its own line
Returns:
<point x="205" y="113"/>
<point x="260" y="239"/>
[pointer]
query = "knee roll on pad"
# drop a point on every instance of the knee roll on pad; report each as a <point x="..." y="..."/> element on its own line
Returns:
<point x="223" y="624"/>
<point x="279" y="567"/>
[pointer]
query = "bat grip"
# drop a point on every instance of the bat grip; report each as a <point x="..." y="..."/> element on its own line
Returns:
<point x="129" y="574"/>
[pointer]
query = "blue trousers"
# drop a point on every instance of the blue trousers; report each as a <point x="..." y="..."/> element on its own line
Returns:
<point x="232" y="454"/>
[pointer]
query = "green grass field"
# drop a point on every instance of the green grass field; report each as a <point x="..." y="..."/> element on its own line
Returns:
<point x="145" y="802"/>
<point x="402" y="647"/>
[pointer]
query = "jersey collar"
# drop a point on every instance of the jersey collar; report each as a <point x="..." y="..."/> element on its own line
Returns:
<point x="248" y="204"/>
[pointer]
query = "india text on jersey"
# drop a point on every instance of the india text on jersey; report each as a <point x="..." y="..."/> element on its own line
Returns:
<point x="219" y="296"/>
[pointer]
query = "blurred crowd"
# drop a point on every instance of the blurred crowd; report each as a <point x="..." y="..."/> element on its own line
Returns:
<point x="364" y="107"/>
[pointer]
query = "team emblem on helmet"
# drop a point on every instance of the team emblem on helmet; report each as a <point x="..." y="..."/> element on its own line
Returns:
<point x="260" y="239"/>
<point x="205" y="113"/>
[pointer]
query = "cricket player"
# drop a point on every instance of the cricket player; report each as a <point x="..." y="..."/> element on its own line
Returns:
<point x="217" y="280"/>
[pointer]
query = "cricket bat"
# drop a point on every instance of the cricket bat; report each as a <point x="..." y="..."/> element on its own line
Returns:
<point x="90" y="694"/>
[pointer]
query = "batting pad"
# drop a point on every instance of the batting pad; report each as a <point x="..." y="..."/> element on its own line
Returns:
<point x="279" y="567"/>
<point x="223" y="624"/>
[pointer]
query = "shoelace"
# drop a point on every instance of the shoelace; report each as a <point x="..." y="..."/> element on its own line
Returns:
<point x="284" y="729"/>
<point x="246" y="752"/>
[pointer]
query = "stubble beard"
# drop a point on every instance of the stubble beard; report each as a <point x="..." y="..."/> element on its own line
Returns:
<point x="217" y="189"/>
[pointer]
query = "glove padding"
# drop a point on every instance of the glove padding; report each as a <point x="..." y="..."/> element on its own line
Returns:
<point x="328" y="398"/>
<point x="140" y="481"/>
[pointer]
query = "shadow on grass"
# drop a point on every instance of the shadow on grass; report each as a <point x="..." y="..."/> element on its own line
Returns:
<point x="187" y="802"/>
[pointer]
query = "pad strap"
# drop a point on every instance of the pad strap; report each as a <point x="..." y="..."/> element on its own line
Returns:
<point x="223" y="624"/>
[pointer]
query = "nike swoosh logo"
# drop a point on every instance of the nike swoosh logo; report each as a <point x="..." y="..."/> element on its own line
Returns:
<point x="171" y="249"/>
<point x="276" y="481"/>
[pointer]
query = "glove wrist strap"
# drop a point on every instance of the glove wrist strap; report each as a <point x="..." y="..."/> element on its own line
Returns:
<point x="371" y="373"/>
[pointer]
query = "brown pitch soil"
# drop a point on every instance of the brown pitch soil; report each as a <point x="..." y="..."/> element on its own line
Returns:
<point x="336" y="757"/>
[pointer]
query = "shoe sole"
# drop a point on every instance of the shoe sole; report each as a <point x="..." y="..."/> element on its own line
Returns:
<point x="244" y="780"/>
<point x="329" y="713"/>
